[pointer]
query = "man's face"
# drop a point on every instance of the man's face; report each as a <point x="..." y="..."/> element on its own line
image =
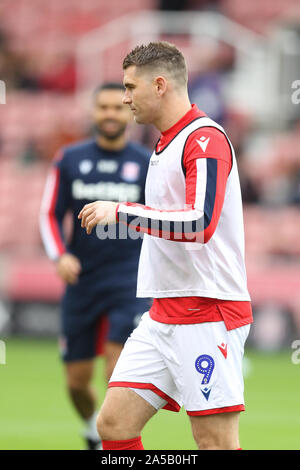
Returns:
<point x="110" y="115"/>
<point x="140" y="95"/>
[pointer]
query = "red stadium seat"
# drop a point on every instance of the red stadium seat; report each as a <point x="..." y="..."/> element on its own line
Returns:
<point x="32" y="278"/>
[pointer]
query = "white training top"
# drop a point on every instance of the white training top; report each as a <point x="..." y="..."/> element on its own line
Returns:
<point x="170" y="268"/>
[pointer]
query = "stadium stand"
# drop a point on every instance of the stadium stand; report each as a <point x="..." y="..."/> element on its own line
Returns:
<point x="36" y="122"/>
<point x="257" y="15"/>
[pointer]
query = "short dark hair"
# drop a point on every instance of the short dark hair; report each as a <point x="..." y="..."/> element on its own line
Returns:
<point x="160" y="56"/>
<point x="108" y="86"/>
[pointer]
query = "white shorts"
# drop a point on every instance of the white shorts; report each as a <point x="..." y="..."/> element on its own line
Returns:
<point x="198" y="366"/>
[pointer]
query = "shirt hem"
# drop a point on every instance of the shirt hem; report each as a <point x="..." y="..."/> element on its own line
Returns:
<point x="193" y="293"/>
<point x="194" y="320"/>
<point x="211" y="411"/>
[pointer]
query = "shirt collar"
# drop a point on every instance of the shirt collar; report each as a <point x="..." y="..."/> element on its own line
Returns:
<point x="170" y="133"/>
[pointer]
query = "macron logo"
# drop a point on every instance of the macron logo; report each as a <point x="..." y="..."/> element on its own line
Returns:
<point x="223" y="349"/>
<point x="206" y="392"/>
<point x="203" y="142"/>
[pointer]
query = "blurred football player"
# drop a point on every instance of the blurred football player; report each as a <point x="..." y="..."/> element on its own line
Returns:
<point x="99" y="307"/>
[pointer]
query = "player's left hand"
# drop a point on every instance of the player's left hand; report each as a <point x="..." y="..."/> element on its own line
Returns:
<point x="99" y="212"/>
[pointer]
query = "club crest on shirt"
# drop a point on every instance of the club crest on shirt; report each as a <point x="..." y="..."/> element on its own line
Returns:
<point x="130" y="171"/>
<point x="85" y="166"/>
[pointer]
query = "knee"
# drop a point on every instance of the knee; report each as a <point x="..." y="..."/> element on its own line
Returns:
<point x="212" y="441"/>
<point x="77" y="382"/>
<point x="208" y="443"/>
<point x="108" y="425"/>
<point x="216" y="431"/>
<point x="111" y="426"/>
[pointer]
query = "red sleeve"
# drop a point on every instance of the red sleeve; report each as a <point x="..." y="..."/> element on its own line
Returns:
<point x="207" y="142"/>
<point x="207" y="162"/>
<point x="53" y="209"/>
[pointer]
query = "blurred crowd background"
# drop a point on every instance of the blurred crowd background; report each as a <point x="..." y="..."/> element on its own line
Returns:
<point x="244" y="63"/>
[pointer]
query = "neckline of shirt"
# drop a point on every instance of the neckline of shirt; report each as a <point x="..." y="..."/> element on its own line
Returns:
<point x="111" y="152"/>
<point x="168" y="135"/>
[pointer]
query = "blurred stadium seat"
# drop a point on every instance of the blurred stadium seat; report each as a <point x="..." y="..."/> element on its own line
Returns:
<point x="256" y="14"/>
<point x="34" y="124"/>
<point x="60" y="22"/>
<point x="31" y="278"/>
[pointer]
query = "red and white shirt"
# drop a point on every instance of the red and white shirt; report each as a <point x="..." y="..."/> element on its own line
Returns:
<point x="192" y="258"/>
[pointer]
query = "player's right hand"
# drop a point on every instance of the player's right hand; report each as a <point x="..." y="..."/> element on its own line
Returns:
<point x="68" y="268"/>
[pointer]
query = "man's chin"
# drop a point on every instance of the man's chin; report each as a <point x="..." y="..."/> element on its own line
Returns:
<point x="140" y="120"/>
<point x="111" y="135"/>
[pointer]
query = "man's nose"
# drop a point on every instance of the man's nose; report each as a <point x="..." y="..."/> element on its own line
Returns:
<point x="111" y="114"/>
<point x="126" y="98"/>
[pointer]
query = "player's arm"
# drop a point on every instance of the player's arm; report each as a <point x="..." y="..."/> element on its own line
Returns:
<point x="55" y="204"/>
<point x="206" y="169"/>
<point x="207" y="162"/>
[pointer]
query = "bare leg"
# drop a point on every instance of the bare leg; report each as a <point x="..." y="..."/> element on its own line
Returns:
<point x="219" y="431"/>
<point x="112" y="352"/>
<point x="123" y="414"/>
<point x="79" y="376"/>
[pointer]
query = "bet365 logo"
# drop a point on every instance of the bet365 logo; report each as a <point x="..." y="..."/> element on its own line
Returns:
<point x="296" y="354"/>
<point x="2" y="353"/>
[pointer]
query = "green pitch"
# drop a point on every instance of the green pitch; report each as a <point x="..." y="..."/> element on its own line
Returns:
<point x="35" y="412"/>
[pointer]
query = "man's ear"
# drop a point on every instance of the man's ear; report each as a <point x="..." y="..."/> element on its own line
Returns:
<point x="161" y="85"/>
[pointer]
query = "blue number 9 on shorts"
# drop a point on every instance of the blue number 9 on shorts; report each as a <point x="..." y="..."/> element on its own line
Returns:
<point x="205" y="365"/>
